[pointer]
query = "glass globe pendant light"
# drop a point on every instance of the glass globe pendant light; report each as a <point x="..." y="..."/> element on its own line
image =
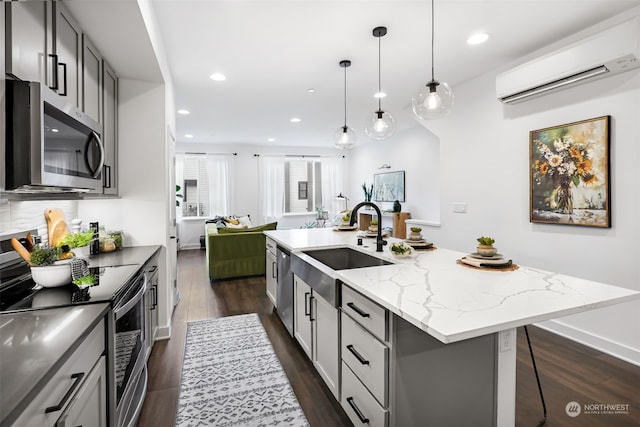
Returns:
<point x="345" y="137"/>
<point x="435" y="100"/>
<point x="380" y="124"/>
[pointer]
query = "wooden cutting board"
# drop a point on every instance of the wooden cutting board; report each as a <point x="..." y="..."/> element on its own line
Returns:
<point x="56" y="225"/>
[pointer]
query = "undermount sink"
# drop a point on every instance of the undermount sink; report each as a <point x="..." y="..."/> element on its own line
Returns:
<point x="324" y="280"/>
<point x="345" y="258"/>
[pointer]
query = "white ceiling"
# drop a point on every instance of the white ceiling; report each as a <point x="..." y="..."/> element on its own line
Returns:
<point x="272" y="51"/>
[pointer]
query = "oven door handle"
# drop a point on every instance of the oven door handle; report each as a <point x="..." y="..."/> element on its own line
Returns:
<point x="121" y="311"/>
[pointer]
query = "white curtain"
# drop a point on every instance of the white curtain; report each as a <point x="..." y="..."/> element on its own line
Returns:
<point x="332" y="171"/>
<point x="271" y="170"/>
<point x="180" y="182"/>
<point x="219" y="194"/>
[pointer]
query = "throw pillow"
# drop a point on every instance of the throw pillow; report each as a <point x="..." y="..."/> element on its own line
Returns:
<point x="245" y="220"/>
<point x="232" y="220"/>
<point x="265" y="227"/>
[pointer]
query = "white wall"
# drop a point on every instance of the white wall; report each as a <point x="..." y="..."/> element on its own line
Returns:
<point x="141" y="211"/>
<point x="484" y="152"/>
<point x="415" y="151"/>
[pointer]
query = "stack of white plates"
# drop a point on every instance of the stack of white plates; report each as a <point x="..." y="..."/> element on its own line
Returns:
<point x="493" y="261"/>
<point x="418" y="244"/>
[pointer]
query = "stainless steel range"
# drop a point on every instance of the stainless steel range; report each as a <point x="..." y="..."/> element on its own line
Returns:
<point x="122" y="286"/>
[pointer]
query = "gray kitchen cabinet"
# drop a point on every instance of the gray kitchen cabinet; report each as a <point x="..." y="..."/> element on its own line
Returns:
<point x="91" y="80"/>
<point x="316" y="328"/>
<point x="272" y="272"/>
<point x="325" y="343"/>
<point x="110" y="129"/>
<point x="88" y="407"/>
<point x="302" y="314"/>
<point x="28" y="40"/>
<point x="43" y="44"/>
<point x="76" y="391"/>
<point x="151" y="303"/>
<point x="68" y="50"/>
<point x="388" y="363"/>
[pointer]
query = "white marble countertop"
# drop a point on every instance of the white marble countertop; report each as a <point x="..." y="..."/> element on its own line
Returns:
<point x="452" y="302"/>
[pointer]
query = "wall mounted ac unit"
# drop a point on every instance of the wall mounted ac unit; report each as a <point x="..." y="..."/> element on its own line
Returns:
<point x="612" y="51"/>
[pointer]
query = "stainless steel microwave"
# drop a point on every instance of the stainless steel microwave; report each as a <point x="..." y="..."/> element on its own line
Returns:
<point x="50" y="144"/>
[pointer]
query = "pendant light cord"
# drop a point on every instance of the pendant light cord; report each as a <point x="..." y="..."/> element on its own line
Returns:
<point x="345" y="97"/>
<point x="432" y="40"/>
<point x="379" y="74"/>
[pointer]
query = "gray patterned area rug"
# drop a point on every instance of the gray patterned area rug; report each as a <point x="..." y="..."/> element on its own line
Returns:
<point x="231" y="376"/>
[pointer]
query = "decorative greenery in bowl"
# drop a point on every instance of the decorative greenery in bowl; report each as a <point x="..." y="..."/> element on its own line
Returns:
<point x="44" y="255"/>
<point x="485" y="248"/>
<point x="77" y="240"/>
<point x="415" y="229"/>
<point x="400" y="250"/>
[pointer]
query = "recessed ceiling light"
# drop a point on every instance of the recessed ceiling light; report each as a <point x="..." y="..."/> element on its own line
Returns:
<point x="183" y="112"/>
<point x="311" y="90"/>
<point x="295" y="120"/>
<point x="218" y="77"/>
<point x="380" y="95"/>
<point x="271" y="139"/>
<point x="188" y="135"/>
<point x="478" y="38"/>
<point x="54" y="130"/>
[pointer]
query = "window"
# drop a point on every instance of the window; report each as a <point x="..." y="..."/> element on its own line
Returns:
<point x="204" y="182"/>
<point x="299" y="185"/>
<point x="302" y="185"/>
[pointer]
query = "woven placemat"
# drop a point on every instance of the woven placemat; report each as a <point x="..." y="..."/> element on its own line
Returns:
<point x="512" y="267"/>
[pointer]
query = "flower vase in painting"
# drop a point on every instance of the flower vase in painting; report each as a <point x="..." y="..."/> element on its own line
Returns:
<point x="570" y="173"/>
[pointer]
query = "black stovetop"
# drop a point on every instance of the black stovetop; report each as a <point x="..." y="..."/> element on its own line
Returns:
<point x="24" y="294"/>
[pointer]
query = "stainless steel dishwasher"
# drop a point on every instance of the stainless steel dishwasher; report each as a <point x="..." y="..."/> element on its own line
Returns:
<point x="285" y="288"/>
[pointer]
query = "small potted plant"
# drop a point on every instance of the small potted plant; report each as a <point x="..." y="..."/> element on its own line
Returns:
<point x="415" y="233"/>
<point x="345" y="219"/>
<point x="368" y="192"/>
<point x="485" y="247"/>
<point x="373" y="226"/>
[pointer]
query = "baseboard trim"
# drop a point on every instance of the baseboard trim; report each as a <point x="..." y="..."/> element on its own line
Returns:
<point x="163" y="333"/>
<point x="189" y="246"/>
<point x="611" y="348"/>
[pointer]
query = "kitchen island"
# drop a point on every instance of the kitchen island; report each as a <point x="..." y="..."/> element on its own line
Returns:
<point x="444" y="323"/>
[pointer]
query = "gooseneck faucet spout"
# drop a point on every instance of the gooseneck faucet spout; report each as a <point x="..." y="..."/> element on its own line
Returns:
<point x="380" y="242"/>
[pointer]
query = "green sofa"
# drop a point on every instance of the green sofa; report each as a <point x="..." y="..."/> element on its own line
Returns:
<point x="236" y="252"/>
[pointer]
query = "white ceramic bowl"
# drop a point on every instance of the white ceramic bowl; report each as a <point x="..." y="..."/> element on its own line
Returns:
<point x="488" y="252"/>
<point x="51" y="276"/>
<point x="400" y="256"/>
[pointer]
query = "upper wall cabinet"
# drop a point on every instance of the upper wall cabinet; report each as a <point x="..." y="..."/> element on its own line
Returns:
<point x="28" y="39"/>
<point x="67" y="55"/>
<point x="110" y="129"/>
<point x="43" y="44"/>
<point x="91" y="80"/>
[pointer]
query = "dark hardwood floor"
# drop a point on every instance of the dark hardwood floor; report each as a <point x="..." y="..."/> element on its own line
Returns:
<point x="568" y="371"/>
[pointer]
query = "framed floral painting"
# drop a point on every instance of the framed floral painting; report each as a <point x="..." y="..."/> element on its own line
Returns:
<point x="569" y="174"/>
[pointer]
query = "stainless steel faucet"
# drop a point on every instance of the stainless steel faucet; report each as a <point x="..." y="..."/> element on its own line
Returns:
<point x="380" y="242"/>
